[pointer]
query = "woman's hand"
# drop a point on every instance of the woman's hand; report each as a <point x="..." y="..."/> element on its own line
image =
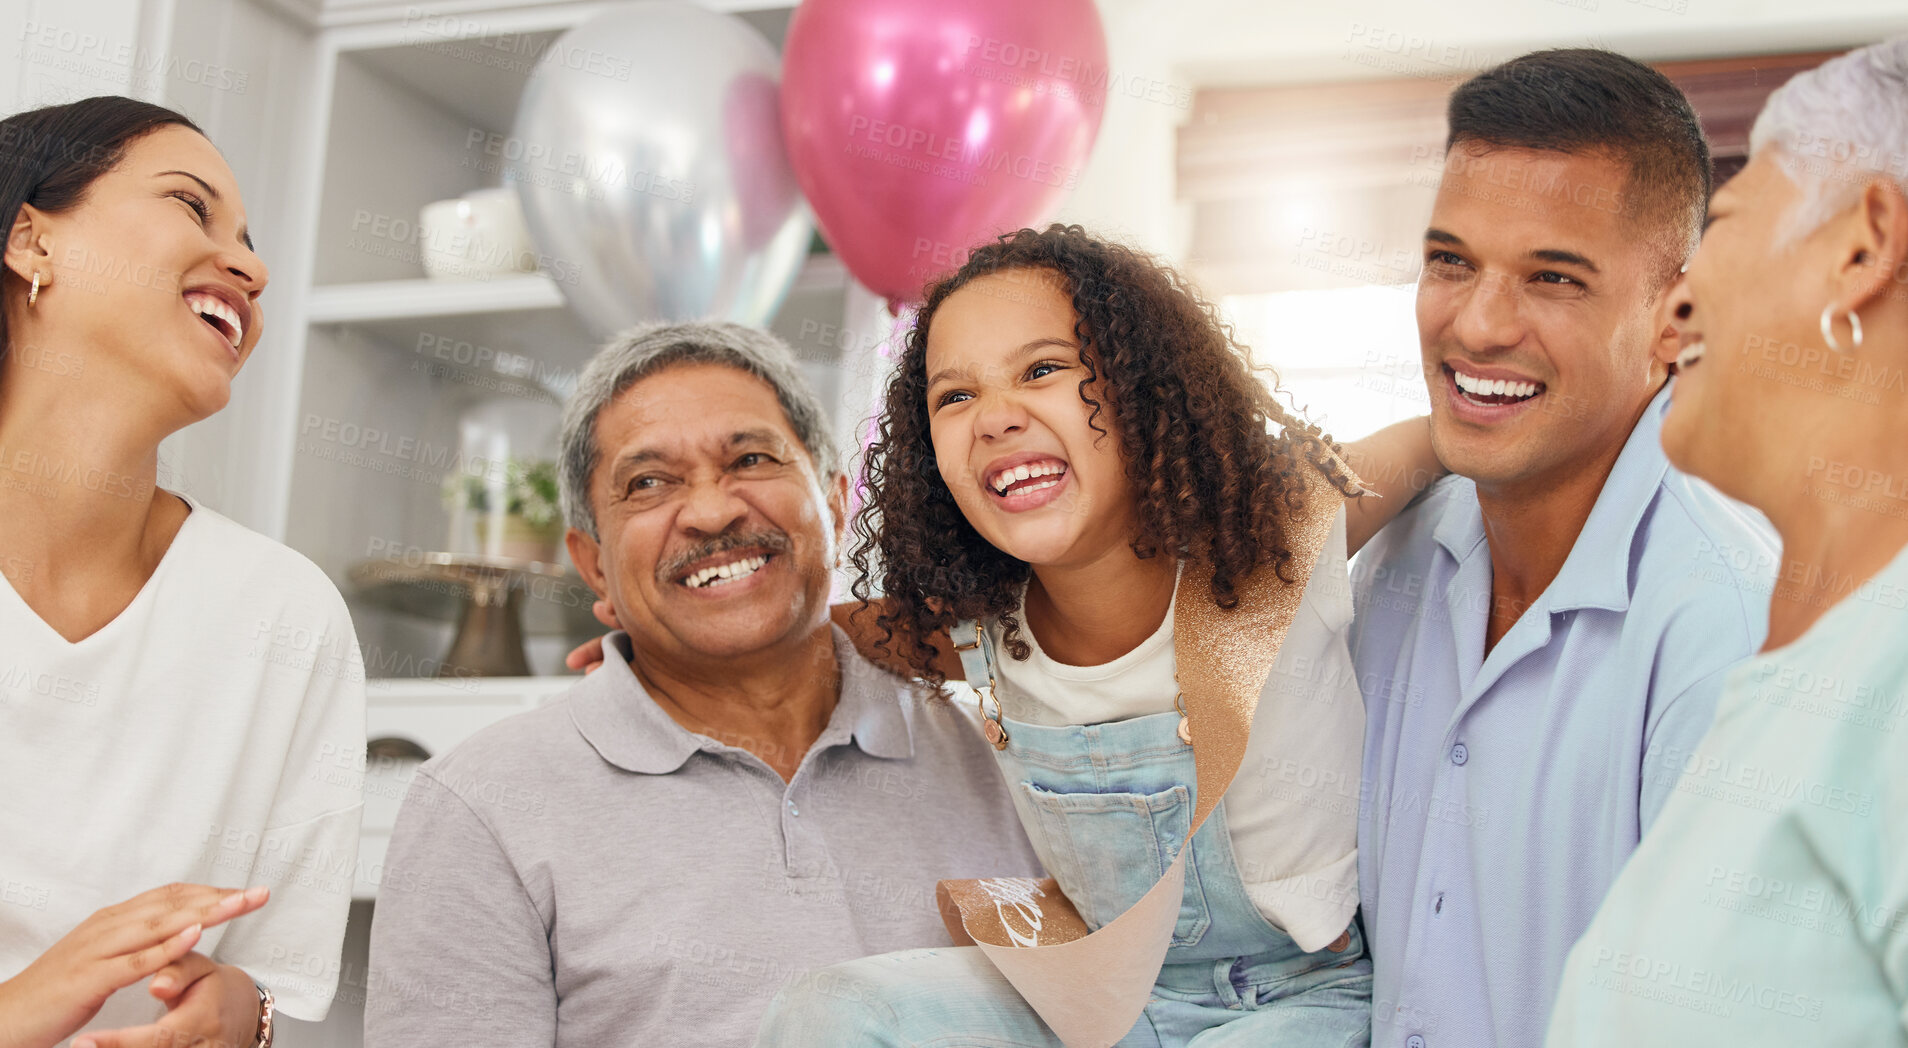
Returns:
<point x="64" y="987"/>
<point x="207" y="1004"/>
<point x="1398" y="463"/>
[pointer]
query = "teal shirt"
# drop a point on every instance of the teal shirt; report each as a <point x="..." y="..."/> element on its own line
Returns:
<point x="1768" y="904"/>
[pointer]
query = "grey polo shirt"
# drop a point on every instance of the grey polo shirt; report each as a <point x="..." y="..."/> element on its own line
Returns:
<point x="592" y="874"/>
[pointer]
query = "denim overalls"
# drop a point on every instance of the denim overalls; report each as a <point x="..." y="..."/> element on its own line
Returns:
<point x="1107" y="807"/>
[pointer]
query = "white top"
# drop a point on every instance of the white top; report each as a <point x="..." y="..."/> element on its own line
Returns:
<point x="1293" y="810"/>
<point x="212" y="733"/>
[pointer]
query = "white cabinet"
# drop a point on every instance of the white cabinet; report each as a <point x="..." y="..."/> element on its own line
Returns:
<point x="345" y="426"/>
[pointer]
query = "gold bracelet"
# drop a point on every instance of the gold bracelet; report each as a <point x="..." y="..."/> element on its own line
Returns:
<point x="265" y="1008"/>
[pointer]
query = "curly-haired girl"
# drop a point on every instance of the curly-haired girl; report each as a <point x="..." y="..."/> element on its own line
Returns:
<point x="1070" y="437"/>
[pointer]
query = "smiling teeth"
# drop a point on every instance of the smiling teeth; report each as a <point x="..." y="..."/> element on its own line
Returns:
<point x="1691" y="354"/>
<point x="212" y="305"/>
<point x="1006" y="478"/>
<point x="723" y="573"/>
<point x="1493" y="387"/>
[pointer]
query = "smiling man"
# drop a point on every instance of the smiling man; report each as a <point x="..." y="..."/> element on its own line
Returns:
<point x="1543" y="638"/>
<point x="735" y="797"/>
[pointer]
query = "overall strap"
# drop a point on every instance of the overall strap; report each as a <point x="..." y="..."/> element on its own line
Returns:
<point x="976" y="649"/>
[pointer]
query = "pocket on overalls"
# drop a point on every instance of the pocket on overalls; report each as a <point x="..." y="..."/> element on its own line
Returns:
<point x="1107" y="849"/>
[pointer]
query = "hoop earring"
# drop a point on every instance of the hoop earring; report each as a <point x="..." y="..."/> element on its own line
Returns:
<point x="34" y="295"/>
<point x="1828" y="329"/>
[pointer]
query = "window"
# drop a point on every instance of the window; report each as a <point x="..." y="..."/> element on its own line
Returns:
<point x="1347" y="358"/>
<point x="1308" y="202"/>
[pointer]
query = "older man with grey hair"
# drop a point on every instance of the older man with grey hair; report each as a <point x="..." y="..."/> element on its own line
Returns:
<point x="735" y="797"/>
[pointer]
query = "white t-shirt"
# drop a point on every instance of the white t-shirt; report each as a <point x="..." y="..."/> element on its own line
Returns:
<point x="1293" y="810"/>
<point x="213" y="733"/>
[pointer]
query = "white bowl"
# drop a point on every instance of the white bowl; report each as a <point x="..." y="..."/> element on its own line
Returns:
<point x="477" y="236"/>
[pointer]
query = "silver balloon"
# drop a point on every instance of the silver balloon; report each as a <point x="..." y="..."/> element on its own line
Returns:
<point x="648" y="155"/>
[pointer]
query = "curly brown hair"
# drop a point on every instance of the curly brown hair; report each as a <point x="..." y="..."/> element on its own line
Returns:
<point x="1192" y="419"/>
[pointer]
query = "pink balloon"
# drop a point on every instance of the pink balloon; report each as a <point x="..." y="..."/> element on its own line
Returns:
<point x="919" y="129"/>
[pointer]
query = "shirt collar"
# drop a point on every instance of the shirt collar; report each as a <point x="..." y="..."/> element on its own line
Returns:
<point x="1596" y="574"/>
<point x="618" y="718"/>
<point x="1460" y="529"/>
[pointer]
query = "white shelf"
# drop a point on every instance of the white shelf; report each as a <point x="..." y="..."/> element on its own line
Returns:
<point x="423" y="297"/>
<point x="482" y="81"/>
<point x="382" y="20"/>
<point x="823" y="274"/>
<point x="403" y="299"/>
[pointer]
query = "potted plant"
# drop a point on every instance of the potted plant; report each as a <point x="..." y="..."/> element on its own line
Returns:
<point x="531" y="516"/>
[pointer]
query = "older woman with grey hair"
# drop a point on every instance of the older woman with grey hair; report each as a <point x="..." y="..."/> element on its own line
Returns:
<point x="1769" y="903"/>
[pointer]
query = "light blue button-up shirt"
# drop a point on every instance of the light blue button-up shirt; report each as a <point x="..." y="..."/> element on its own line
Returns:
<point x="1502" y="793"/>
<point x="1768" y="907"/>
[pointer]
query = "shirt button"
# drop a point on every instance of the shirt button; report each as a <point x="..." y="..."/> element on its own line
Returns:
<point x="793" y="810"/>
<point x="1414" y="1041"/>
<point x="1459" y="754"/>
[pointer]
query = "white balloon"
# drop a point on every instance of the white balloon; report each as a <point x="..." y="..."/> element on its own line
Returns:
<point x="648" y="155"/>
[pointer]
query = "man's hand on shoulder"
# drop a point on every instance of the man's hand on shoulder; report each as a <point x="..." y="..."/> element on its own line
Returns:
<point x="588" y="655"/>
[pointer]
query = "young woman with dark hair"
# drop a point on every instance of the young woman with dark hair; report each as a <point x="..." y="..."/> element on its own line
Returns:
<point x="1078" y="473"/>
<point x="181" y="699"/>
